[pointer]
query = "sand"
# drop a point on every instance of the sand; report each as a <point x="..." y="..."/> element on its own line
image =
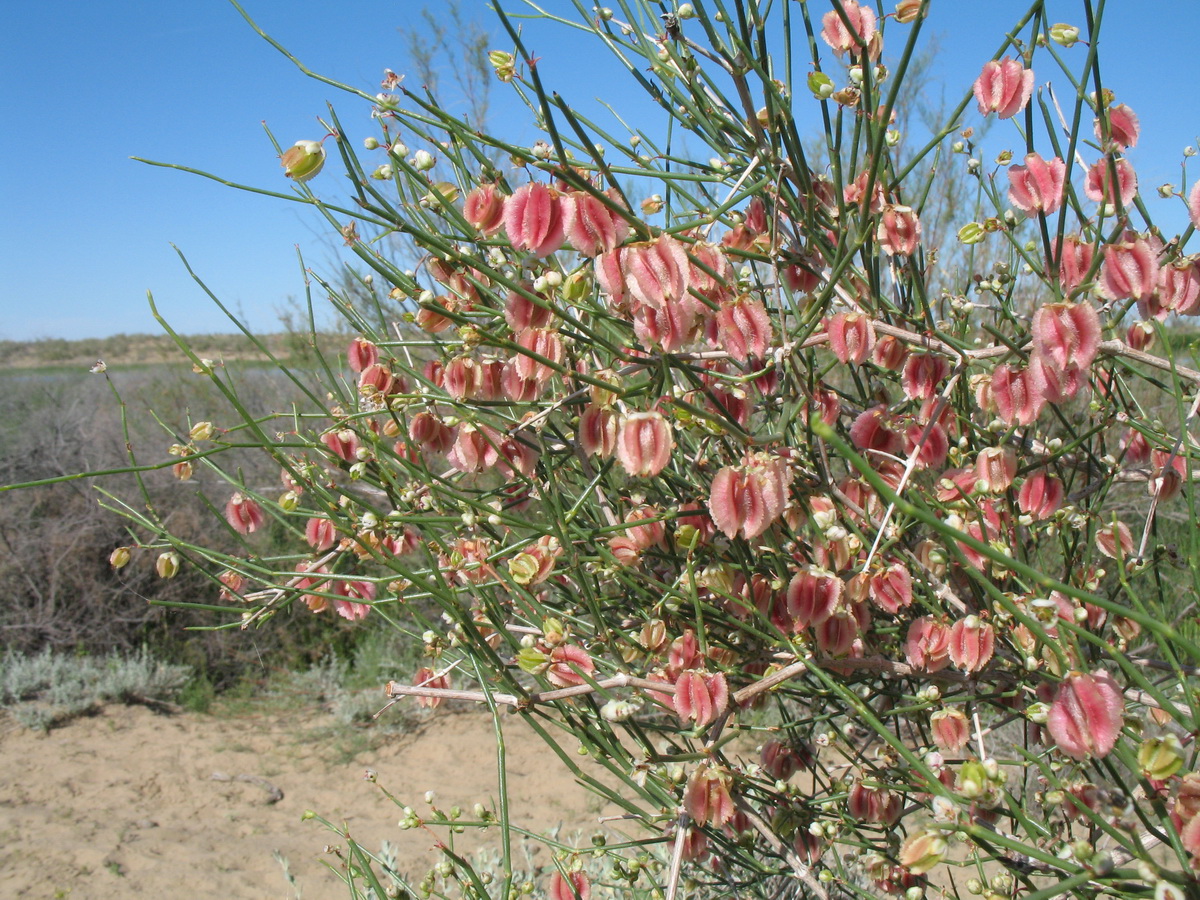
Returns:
<point x="124" y="803"/>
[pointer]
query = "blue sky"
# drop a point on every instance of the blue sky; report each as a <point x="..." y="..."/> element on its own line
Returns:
<point x="86" y="85"/>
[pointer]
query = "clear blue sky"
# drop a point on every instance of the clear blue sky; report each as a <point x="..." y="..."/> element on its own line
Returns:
<point x="86" y="85"/>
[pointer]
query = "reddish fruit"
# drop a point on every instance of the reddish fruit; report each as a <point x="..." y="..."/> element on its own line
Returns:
<point x="1115" y="541"/>
<point x="597" y="432"/>
<point x="951" y="730"/>
<point x="995" y="468"/>
<point x="243" y="514"/>
<point x="744" y="328"/>
<point x="428" y="678"/>
<point x="321" y="534"/>
<point x="430" y="433"/>
<point x="708" y="799"/>
<point x="1130" y="270"/>
<point x="876" y="805"/>
<point x="1017" y="395"/>
<point x="749" y="499"/>
<point x="899" y="231"/>
<point x="851" y="337"/>
<point x="1037" y="186"/>
<point x="1075" y="259"/>
<point x="1123" y="126"/>
<point x="1099" y="187"/>
<point x="1003" y="87"/>
<point x="811" y="597"/>
<point x="1086" y="715"/>
<point x="342" y="443"/>
<point x="1066" y="334"/>
<point x="891" y="589"/>
<point x="533" y="219"/>
<point x="1041" y="495"/>
<point x="700" y="697"/>
<point x="927" y="444"/>
<point x="352" y="594"/>
<point x="592" y="227"/>
<point x="923" y="373"/>
<point x="361" y="353"/>
<point x="574" y="886"/>
<point x="656" y="272"/>
<point x="644" y="443"/>
<point x="889" y="353"/>
<point x="842" y="39"/>
<point x="569" y="665"/>
<point x="483" y="209"/>
<point x="927" y="645"/>
<point x="871" y="432"/>
<point x="972" y="643"/>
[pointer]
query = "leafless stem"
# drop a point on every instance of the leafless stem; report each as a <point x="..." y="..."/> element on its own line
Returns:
<point x="396" y="689"/>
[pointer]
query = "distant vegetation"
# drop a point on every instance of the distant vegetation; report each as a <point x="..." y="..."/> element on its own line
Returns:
<point x="60" y="593"/>
<point x="141" y="349"/>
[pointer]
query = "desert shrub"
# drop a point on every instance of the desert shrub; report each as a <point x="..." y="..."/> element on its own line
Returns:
<point x="60" y="591"/>
<point x="679" y="446"/>
<point x="47" y="688"/>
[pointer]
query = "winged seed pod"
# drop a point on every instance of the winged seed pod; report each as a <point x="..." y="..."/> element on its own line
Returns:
<point x="1003" y="87"/>
<point x="1086" y="715"/>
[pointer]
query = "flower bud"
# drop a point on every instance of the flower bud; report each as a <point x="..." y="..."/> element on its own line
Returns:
<point x="504" y="64"/>
<point x="1064" y="35"/>
<point x="907" y="11"/>
<point x="202" y="431"/>
<point x="303" y="160"/>
<point x="971" y="233"/>
<point x="1160" y="758"/>
<point x="922" y="851"/>
<point x="821" y="85"/>
<point x="523" y="568"/>
<point x="119" y="558"/>
<point x="423" y="161"/>
<point x="167" y="564"/>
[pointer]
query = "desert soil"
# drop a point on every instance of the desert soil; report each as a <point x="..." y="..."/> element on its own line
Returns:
<point x="124" y="803"/>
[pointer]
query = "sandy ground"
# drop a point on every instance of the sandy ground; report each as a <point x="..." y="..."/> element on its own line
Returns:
<point x="124" y="803"/>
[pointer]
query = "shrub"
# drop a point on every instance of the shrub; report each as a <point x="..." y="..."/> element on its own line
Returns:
<point x="671" y="446"/>
<point x="47" y="688"/>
